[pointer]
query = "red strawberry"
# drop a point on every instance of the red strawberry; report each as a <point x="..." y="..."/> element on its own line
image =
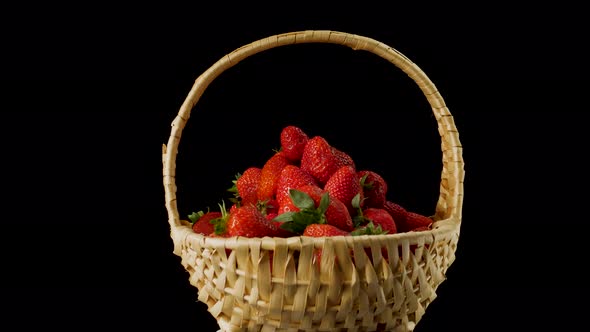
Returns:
<point x="335" y="214"/>
<point x="293" y="140"/>
<point x="319" y="160"/>
<point x="422" y="229"/>
<point x="247" y="185"/>
<point x="233" y="208"/>
<point x="269" y="175"/>
<point x="380" y="217"/>
<point x="268" y="207"/>
<point x="374" y="188"/>
<point x="344" y="184"/>
<point x="398" y="213"/>
<point x="320" y="230"/>
<point x="343" y="159"/>
<point x="271" y="216"/>
<point x="280" y="232"/>
<point x="202" y="223"/>
<point x="248" y="221"/>
<point x="213" y="234"/>
<point x="291" y="177"/>
<point x="414" y="221"/>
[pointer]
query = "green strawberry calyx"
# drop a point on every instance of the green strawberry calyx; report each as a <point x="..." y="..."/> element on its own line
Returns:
<point x="364" y="184"/>
<point x="234" y="190"/>
<point x="220" y="224"/>
<point x="264" y="206"/>
<point x="369" y="229"/>
<point x="308" y="214"/>
<point x="195" y="216"/>
<point x="359" y="218"/>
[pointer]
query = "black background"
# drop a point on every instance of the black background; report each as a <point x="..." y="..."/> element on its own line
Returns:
<point x="88" y="95"/>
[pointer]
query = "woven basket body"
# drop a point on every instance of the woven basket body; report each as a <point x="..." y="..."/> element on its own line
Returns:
<point x="363" y="283"/>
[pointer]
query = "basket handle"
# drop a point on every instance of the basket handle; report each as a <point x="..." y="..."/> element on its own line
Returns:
<point x="450" y="200"/>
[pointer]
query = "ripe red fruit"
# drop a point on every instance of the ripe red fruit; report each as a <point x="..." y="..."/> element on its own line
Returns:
<point x="380" y="217"/>
<point x="398" y="213"/>
<point x="342" y="158"/>
<point x="203" y="226"/>
<point x="319" y="160"/>
<point x="321" y="230"/>
<point x="422" y="229"/>
<point x="293" y="141"/>
<point x="415" y="221"/>
<point x="233" y="208"/>
<point x="336" y="214"/>
<point x="247" y="185"/>
<point x="291" y="177"/>
<point x="248" y="221"/>
<point x="269" y="175"/>
<point x="282" y="232"/>
<point x="344" y="184"/>
<point x="374" y="188"/>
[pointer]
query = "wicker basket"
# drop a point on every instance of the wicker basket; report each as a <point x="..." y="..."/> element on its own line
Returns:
<point x="356" y="289"/>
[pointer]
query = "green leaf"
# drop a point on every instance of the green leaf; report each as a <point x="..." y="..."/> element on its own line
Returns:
<point x="358" y="220"/>
<point x="296" y="222"/>
<point x="287" y="216"/>
<point x="219" y="225"/>
<point x="324" y="203"/>
<point x="193" y="217"/>
<point x="234" y="188"/>
<point x="369" y="229"/>
<point x="301" y="199"/>
<point x="291" y="227"/>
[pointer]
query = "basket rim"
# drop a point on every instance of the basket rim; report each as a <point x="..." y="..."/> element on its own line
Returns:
<point x="441" y="228"/>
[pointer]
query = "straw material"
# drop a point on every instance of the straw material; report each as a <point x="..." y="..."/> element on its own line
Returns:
<point x="363" y="283"/>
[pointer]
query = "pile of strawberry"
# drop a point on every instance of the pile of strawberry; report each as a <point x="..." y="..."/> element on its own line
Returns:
<point x="308" y="188"/>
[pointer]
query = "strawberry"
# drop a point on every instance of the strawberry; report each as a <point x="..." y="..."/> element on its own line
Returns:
<point x="344" y="184"/>
<point x="270" y="206"/>
<point x="280" y="231"/>
<point x="211" y="222"/>
<point x="248" y="221"/>
<point x="374" y="188"/>
<point x="320" y="230"/>
<point x="271" y="216"/>
<point x="201" y="221"/>
<point x="247" y="185"/>
<point x="318" y="207"/>
<point x="234" y="207"/>
<point x="291" y="177"/>
<point x="368" y="229"/>
<point x="269" y="175"/>
<point x="422" y="228"/>
<point x="398" y="213"/>
<point x="318" y="159"/>
<point x="342" y="158"/>
<point x="293" y="141"/>
<point x="382" y="218"/>
<point x="415" y="221"/>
